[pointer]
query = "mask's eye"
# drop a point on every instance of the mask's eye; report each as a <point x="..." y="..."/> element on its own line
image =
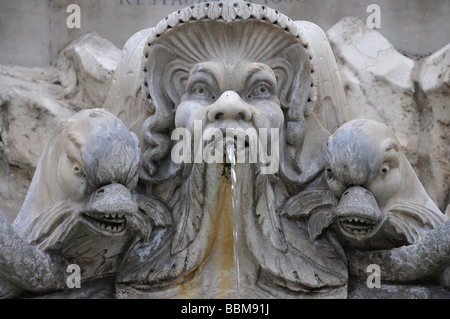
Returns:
<point x="203" y="91"/>
<point x="384" y="168"/>
<point x="261" y="90"/>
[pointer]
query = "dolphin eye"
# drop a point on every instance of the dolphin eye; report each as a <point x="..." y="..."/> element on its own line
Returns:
<point x="77" y="170"/>
<point x="330" y="173"/>
<point x="384" y="168"/>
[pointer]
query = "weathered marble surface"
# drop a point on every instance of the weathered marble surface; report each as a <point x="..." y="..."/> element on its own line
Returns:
<point x="35" y="100"/>
<point x="252" y="79"/>
<point x="410" y="96"/>
<point x="23" y="108"/>
<point x="376" y="184"/>
<point x="287" y="245"/>
<point x="79" y="208"/>
<point x="408" y="24"/>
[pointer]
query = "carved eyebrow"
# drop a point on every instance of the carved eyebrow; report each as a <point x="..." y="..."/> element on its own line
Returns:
<point x="259" y="72"/>
<point x="390" y="154"/>
<point x="386" y="153"/>
<point x="256" y="67"/>
<point x="73" y="149"/>
<point x="74" y="139"/>
<point x="391" y="144"/>
<point x="202" y="72"/>
<point x="200" y="68"/>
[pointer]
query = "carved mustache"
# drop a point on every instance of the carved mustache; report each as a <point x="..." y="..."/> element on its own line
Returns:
<point x="210" y="145"/>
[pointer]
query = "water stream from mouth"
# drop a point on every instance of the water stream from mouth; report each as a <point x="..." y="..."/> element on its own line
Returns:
<point x="231" y="151"/>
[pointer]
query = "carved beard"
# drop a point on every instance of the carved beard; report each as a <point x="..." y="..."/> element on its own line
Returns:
<point x="276" y="257"/>
<point x="173" y="253"/>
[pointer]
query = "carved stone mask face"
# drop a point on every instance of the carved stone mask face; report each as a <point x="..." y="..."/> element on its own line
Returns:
<point x="240" y="95"/>
<point x="246" y="74"/>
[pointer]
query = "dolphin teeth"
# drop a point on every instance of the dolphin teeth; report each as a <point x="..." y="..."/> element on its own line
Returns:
<point x="108" y="222"/>
<point x="357" y="225"/>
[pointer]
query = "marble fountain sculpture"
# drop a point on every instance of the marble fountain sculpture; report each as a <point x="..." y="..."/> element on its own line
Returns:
<point x="322" y="202"/>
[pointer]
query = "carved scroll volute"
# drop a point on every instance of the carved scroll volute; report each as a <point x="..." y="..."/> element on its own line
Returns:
<point x="125" y="98"/>
<point x="322" y="111"/>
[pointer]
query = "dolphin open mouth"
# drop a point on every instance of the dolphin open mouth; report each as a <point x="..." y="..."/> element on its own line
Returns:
<point x="357" y="225"/>
<point x="109" y="208"/>
<point x="358" y="214"/>
<point x="109" y="223"/>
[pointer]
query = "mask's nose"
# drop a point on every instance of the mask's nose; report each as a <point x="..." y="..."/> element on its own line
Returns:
<point x="230" y="106"/>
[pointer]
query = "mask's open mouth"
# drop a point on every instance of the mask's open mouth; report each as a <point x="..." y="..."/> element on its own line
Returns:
<point x="357" y="226"/>
<point x="109" y="223"/>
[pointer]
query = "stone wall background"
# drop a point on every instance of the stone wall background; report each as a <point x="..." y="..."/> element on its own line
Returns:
<point x="409" y="95"/>
<point x="33" y="32"/>
<point x="401" y="78"/>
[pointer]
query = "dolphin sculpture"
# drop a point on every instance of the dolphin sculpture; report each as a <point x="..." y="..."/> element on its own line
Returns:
<point x="79" y="208"/>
